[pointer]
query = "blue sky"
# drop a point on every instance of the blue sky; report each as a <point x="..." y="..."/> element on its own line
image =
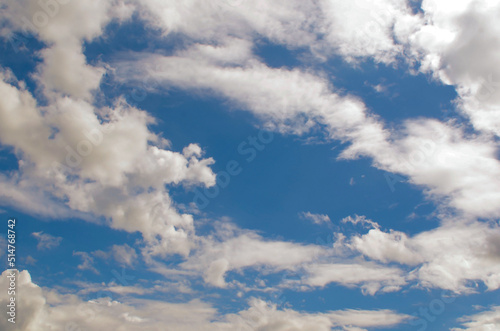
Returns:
<point x="252" y="165"/>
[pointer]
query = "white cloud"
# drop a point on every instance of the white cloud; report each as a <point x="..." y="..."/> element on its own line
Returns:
<point x="370" y="277"/>
<point x="355" y="29"/>
<point x="296" y="100"/>
<point x="387" y="247"/>
<point x="456" y="169"/>
<point x="46" y="241"/>
<point x="458" y="41"/>
<point x="449" y="257"/>
<point x="484" y="321"/>
<point x="235" y="249"/>
<point x="46" y="309"/>
<point x="63" y="25"/>
<point x="28" y="295"/>
<point x="288" y="22"/>
<point x="264" y="316"/>
<point x="288" y="100"/>
<point x="459" y="170"/>
<point x="65" y="70"/>
<point x="364" y="28"/>
<point x="103" y="162"/>
<point x="360" y="220"/>
<point x="121" y="287"/>
<point x="21" y="195"/>
<point x="315" y="218"/>
<point x="455" y="257"/>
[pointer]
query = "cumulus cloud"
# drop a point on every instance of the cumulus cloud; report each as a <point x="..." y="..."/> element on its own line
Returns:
<point x="102" y="162"/>
<point x="449" y="257"/>
<point x="458" y="41"/>
<point x="28" y="295"/>
<point x="62" y="25"/>
<point x="365" y="29"/>
<point x="65" y="69"/>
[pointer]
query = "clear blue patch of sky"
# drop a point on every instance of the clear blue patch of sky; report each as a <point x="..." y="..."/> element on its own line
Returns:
<point x="278" y="56"/>
<point x="8" y="160"/>
<point x="415" y="5"/>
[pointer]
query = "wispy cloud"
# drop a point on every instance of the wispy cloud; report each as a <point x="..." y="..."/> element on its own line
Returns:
<point x="87" y="262"/>
<point x="315" y="218"/>
<point x="123" y="254"/>
<point x="46" y="241"/>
